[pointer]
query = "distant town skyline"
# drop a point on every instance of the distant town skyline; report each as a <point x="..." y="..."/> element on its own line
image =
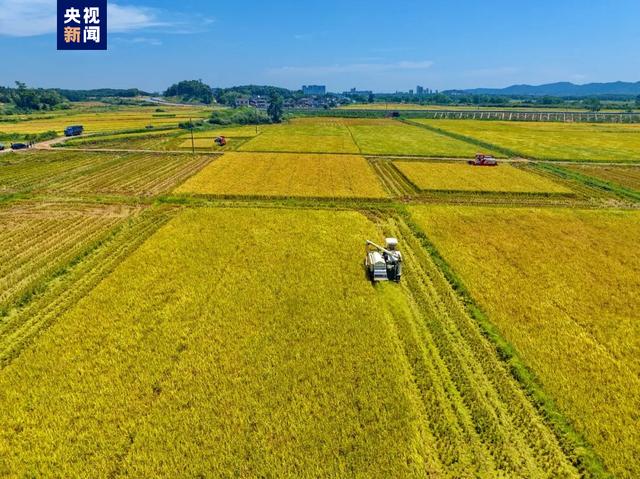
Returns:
<point x="363" y="44"/>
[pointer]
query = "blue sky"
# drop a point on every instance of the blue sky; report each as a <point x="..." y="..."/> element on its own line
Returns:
<point x="384" y="46"/>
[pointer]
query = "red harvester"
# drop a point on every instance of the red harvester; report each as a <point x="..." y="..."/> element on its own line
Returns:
<point x="221" y="141"/>
<point x="484" y="160"/>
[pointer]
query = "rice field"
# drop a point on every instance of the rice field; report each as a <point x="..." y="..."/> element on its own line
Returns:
<point x="391" y="137"/>
<point x="162" y="141"/>
<point x="168" y="314"/>
<point x="140" y="174"/>
<point x="562" y="287"/>
<point x="626" y="176"/>
<point x="119" y="119"/>
<point x="304" y="135"/>
<point x="318" y="375"/>
<point x="441" y="176"/>
<point x="37" y="240"/>
<point x="552" y="141"/>
<point x="286" y="175"/>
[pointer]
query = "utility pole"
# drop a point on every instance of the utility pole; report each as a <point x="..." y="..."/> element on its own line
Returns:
<point x="193" y="146"/>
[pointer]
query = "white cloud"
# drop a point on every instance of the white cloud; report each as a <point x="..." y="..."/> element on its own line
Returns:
<point x="27" y="18"/>
<point x="351" y="68"/>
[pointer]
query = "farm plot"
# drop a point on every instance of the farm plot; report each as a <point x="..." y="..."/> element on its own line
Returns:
<point x="561" y="286"/>
<point x="552" y="141"/>
<point x="286" y="175"/>
<point x="317" y="375"/>
<point x="123" y="119"/>
<point x="37" y="240"/>
<point x="391" y="137"/>
<point x="626" y="176"/>
<point x="141" y="174"/>
<point x="166" y="140"/>
<point x="447" y="176"/>
<point x="304" y="135"/>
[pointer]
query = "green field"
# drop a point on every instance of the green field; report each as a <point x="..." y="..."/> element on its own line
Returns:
<point x="562" y="287"/>
<point x="552" y="141"/>
<point x="306" y="135"/>
<point x="441" y="176"/>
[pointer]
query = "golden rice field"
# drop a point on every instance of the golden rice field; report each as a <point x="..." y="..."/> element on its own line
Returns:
<point x="37" y="240"/>
<point x="441" y="176"/>
<point x="391" y="137"/>
<point x="563" y="287"/>
<point x="286" y="175"/>
<point x="552" y="141"/>
<point x="141" y="174"/>
<point x="169" y="314"/>
<point x="318" y="375"/>
<point x="120" y="119"/>
<point x="626" y="176"/>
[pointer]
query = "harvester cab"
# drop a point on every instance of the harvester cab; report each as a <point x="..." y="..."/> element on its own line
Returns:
<point x="383" y="264"/>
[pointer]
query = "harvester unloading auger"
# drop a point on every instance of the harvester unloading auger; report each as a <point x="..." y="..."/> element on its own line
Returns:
<point x="383" y="264"/>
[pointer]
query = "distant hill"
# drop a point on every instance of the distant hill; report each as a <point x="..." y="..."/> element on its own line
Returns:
<point x="564" y="89"/>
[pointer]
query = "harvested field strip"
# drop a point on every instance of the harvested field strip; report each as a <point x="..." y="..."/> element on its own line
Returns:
<point x="286" y="175"/>
<point x="74" y="281"/>
<point x="622" y="179"/>
<point x="549" y="284"/>
<point x="487" y="419"/>
<point x="38" y="240"/>
<point x="448" y="176"/>
<point x="140" y="174"/>
<point x="140" y="141"/>
<point x="396" y="183"/>
<point x="587" y="185"/>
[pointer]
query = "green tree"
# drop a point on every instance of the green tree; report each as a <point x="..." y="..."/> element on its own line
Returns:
<point x="638" y="101"/>
<point x="371" y="98"/>
<point x="275" y="109"/>
<point x="592" y="104"/>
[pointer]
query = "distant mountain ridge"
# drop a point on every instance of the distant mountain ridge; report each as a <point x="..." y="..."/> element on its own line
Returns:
<point x="564" y="89"/>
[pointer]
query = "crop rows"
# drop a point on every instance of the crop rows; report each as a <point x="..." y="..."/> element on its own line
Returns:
<point x="626" y="176"/>
<point x="37" y="240"/>
<point x="318" y="375"/>
<point x="449" y="176"/>
<point x="74" y="280"/>
<point x="550" y="283"/>
<point x="141" y="174"/>
<point x="551" y="141"/>
<point x="286" y="175"/>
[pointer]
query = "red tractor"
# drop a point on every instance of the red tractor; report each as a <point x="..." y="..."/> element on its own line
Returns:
<point x="221" y="141"/>
<point x="484" y="160"/>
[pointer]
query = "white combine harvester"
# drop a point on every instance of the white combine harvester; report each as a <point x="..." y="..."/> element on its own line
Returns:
<point x="383" y="264"/>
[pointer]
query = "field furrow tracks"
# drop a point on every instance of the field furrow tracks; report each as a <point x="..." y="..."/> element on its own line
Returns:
<point x="480" y="416"/>
<point x="24" y="324"/>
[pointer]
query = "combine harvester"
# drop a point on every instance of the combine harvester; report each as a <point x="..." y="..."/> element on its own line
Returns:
<point x="383" y="264"/>
<point x="483" y="160"/>
<point x="221" y="141"/>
